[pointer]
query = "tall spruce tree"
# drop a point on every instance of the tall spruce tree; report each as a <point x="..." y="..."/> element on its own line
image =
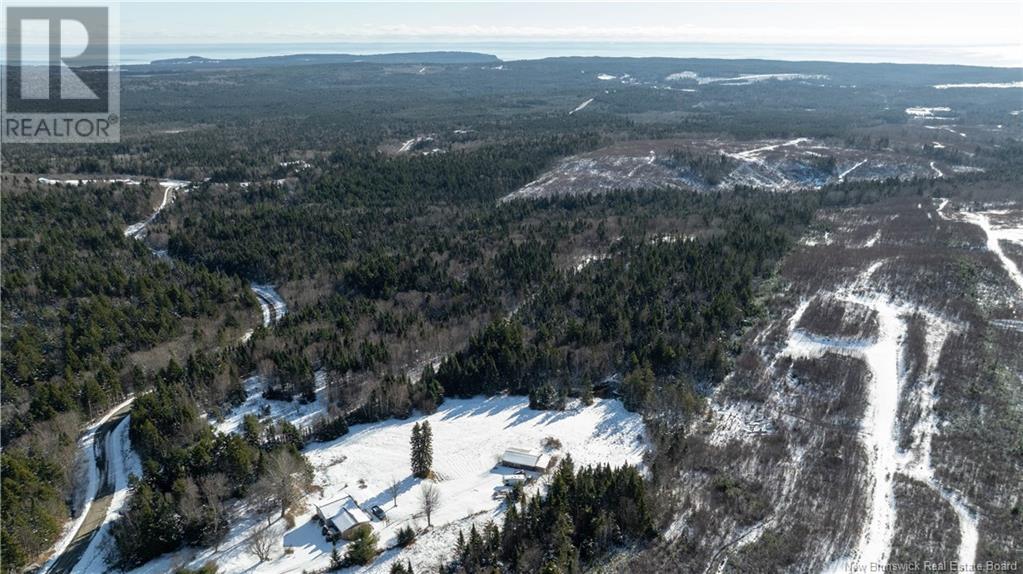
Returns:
<point x="427" y="448"/>
<point x="418" y="469"/>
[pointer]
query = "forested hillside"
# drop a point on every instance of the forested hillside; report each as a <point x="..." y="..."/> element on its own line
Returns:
<point x="374" y="197"/>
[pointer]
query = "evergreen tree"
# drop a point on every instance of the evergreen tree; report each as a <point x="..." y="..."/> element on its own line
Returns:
<point x="418" y="468"/>
<point x="427" y="448"/>
<point x="336" y="561"/>
<point x="399" y="568"/>
<point x="363" y="548"/>
<point x="585" y="513"/>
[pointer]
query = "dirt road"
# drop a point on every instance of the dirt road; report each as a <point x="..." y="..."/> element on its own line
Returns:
<point x="97" y="512"/>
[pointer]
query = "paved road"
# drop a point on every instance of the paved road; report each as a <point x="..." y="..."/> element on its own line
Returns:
<point x="66" y="562"/>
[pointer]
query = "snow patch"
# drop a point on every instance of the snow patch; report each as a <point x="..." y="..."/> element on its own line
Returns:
<point x="922" y="112"/>
<point x="411" y="143"/>
<point x="947" y="129"/>
<point x="981" y="85"/>
<point x="994" y="236"/>
<point x="742" y="79"/>
<point x="581" y="106"/>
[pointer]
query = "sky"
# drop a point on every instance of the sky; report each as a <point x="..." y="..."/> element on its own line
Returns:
<point x="985" y="31"/>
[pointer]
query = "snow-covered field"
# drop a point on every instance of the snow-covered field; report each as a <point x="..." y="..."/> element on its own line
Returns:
<point x="468" y="437"/>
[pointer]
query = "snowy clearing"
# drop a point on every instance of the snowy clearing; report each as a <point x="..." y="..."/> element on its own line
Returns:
<point x="295" y="412"/>
<point x="468" y="437"/>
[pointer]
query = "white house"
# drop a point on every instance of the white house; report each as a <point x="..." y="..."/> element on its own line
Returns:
<point x="342" y="517"/>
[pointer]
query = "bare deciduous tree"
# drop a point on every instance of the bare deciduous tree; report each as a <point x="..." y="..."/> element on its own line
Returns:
<point x="261" y="543"/>
<point x="284" y="482"/>
<point x="214" y="488"/>
<point x="429" y="500"/>
<point x="189" y="502"/>
<point x="393" y="488"/>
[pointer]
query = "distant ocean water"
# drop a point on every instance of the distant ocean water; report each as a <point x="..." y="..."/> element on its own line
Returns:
<point x="1001" y="56"/>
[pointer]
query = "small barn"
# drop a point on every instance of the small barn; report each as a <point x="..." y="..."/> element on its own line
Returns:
<point x="523" y="459"/>
<point x="341" y="518"/>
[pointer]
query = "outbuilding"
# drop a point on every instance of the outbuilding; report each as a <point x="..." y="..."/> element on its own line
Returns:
<point x="523" y="459"/>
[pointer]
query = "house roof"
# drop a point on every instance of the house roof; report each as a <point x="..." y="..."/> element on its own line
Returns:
<point x="522" y="457"/>
<point x="344" y="513"/>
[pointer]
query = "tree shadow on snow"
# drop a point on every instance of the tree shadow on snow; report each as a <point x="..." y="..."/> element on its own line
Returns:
<point x="384" y="497"/>
<point x="489" y="406"/>
<point x="308" y="537"/>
